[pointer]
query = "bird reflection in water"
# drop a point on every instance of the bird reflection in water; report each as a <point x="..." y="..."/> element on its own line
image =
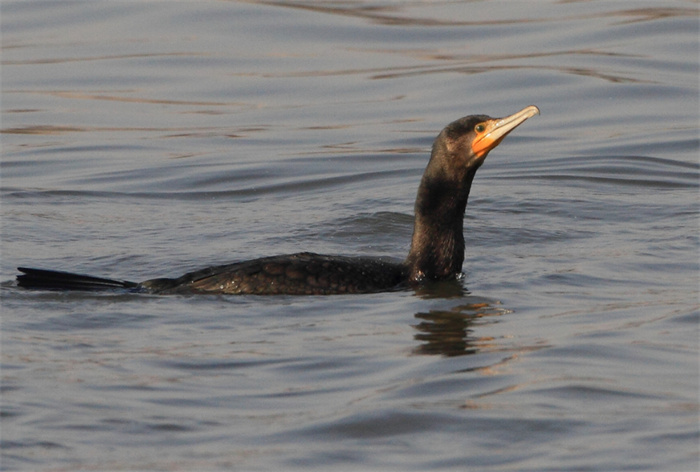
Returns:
<point x="449" y="332"/>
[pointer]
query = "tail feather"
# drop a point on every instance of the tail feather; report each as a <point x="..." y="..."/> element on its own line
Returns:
<point x="58" y="280"/>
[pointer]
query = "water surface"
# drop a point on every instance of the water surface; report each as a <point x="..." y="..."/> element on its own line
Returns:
<point x="146" y="139"/>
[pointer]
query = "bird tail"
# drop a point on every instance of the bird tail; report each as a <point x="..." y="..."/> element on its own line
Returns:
<point x="57" y="280"/>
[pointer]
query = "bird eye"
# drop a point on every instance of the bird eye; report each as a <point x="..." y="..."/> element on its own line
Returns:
<point x="479" y="128"/>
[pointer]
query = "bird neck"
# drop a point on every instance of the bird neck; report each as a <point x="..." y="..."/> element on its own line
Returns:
<point x="437" y="246"/>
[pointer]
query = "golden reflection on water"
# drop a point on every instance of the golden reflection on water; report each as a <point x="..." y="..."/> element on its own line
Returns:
<point x="437" y="61"/>
<point x="397" y="14"/>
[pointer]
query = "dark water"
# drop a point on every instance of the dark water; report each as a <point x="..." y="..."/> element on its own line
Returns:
<point x="145" y="139"/>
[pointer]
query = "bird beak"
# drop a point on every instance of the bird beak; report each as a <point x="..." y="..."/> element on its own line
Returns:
<point x="498" y="128"/>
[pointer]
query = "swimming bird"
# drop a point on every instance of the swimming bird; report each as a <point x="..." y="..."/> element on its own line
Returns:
<point x="437" y="245"/>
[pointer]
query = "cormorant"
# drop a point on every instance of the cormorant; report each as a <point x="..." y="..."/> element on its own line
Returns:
<point x="437" y="246"/>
